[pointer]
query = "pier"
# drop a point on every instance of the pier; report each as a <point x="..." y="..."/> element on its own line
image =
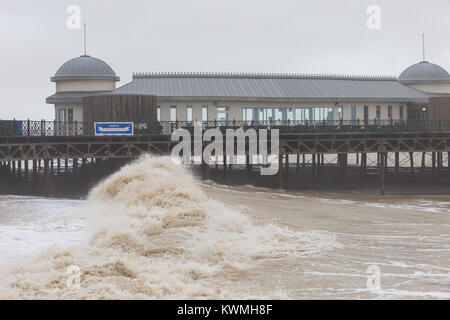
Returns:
<point x="366" y="147"/>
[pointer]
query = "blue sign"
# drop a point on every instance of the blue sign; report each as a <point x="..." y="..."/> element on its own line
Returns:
<point x="114" y="128"/>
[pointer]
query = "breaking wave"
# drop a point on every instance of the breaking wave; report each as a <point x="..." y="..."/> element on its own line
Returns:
<point x="156" y="235"/>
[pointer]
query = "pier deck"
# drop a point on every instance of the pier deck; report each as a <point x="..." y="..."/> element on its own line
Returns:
<point x="23" y="141"/>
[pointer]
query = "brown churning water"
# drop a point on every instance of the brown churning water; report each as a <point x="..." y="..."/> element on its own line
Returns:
<point x="156" y="234"/>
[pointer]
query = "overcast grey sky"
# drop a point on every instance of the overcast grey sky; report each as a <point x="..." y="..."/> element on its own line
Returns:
<point x="314" y="36"/>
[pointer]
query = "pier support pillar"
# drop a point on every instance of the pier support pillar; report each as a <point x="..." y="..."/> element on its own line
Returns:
<point x="386" y="156"/>
<point x="58" y="164"/>
<point x="35" y="168"/>
<point x="280" y="171"/>
<point x="298" y="163"/>
<point x="205" y="171"/>
<point x="439" y="165"/>
<point x="448" y="162"/>
<point x="287" y="167"/>
<point x="422" y="168"/>
<point x="313" y="157"/>
<point x="66" y="165"/>
<point x="411" y="160"/>
<point x="433" y="165"/>
<point x="225" y="167"/>
<point x="205" y="165"/>
<point x="343" y="163"/>
<point x="383" y="157"/>
<point x="248" y="166"/>
<point x="19" y="169"/>
<point x="397" y="163"/>
<point x="364" y="163"/>
<point x="46" y="177"/>
<point x="318" y="164"/>
<point x="26" y="169"/>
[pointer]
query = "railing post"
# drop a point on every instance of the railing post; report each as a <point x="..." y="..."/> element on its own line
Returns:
<point x="54" y="127"/>
<point x="43" y="127"/>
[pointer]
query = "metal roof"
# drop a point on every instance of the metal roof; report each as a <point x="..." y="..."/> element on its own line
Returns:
<point x="273" y="87"/>
<point x="71" y="97"/>
<point x="85" y="68"/>
<point x="424" y="72"/>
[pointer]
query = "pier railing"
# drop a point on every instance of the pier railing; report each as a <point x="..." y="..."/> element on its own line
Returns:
<point x="55" y="128"/>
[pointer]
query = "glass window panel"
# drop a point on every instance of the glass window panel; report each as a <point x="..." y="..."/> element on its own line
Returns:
<point x="189" y="113"/>
<point x="278" y="114"/>
<point x="173" y="113"/>
<point x="205" y="113"/>
<point x="290" y="114"/>
<point x="340" y="113"/>
<point x="222" y="113"/>
<point x="353" y="113"/>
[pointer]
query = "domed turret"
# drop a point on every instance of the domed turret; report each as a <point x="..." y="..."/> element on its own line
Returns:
<point x="77" y="78"/>
<point x="424" y="72"/>
<point x="85" y="68"/>
<point x="427" y="77"/>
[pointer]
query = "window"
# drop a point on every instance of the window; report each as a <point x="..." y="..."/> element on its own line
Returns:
<point x="205" y="113"/>
<point x="378" y="113"/>
<point x="303" y="114"/>
<point x="61" y="115"/>
<point x="390" y="112"/>
<point x="321" y="114"/>
<point x="265" y="114"/>
<point x="189" y="113"/>
<point x="247" y="114"/>
<point x="401" y="113"/>
<point x="64" y="115"/>
<point x="222" y="113"/>
<point x="289" y="114"/>
<point x="278" y="114"/>
<point x="173" y="113"/>
<point x="257" y="114"/>
<point x="339" y="114"/>
<point x="284" y="114"/>
<point x="353" y="113"/>
<point x="366" y="113"/>
<point x="158" y="113"/>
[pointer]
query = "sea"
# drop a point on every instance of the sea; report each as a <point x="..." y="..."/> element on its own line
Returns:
<point x="153" y="231"/>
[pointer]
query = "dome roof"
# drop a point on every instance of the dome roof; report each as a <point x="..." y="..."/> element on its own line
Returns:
<point x="424" y="72"/>
<point x="85" y="68"/>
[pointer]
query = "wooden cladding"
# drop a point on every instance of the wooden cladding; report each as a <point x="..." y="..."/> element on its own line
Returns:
<point x="439" y="108"/>
<point x="120" y="108"/>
